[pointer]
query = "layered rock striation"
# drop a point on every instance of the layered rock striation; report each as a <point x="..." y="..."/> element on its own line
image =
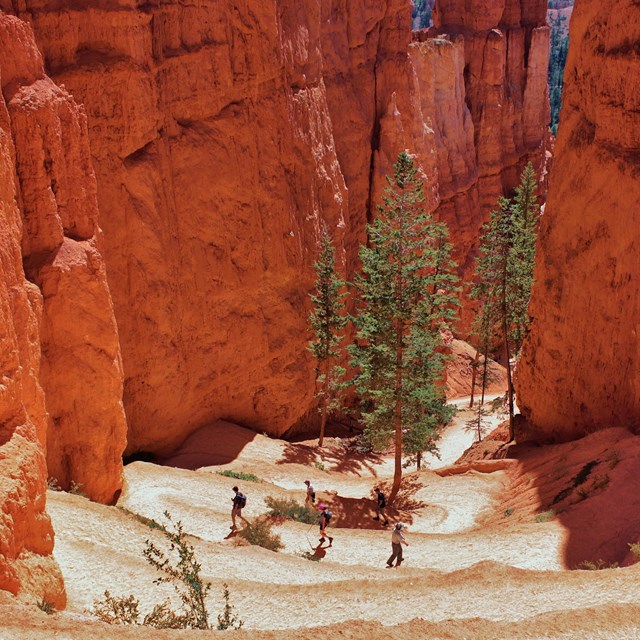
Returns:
<point x="580" y="369"/>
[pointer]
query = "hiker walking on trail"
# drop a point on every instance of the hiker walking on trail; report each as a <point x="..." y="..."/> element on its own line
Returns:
<point x="239" y="503"/>
<point x="311" y="495"/>
<point x="397" y="540"/>
<point x="325" y="518"/>
<point x="381" y="504"/>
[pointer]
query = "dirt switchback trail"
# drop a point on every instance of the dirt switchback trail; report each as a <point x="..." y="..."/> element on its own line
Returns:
<point x="475" y="568"/>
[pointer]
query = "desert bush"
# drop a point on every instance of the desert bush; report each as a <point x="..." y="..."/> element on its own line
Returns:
<point x="598" y="565"/>
<point x="179" y="567"/>
<point x="248" y="477"/>
<point x="289" y="508"/>
<point x="545" y="516"/>
<point x="307" y="555"/>
<point x="46" y="606"/>
<point x="259" y="533"/>
<point x="635" y="549"/>
<point x="228" y="619"/>
<point x="182" y="573"/>
<point x="119" y="610"/>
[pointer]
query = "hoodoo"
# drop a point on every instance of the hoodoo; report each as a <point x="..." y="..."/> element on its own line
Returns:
<point x="580" y="369"/>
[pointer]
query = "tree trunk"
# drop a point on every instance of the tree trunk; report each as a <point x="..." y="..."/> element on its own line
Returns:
<point x="505" y="331"/>
<point x="474" y="373"/>
<point x="509" y="381"/>
<point x="325" y="403"/>
<point x="419" y="460"/>
<point x="397" y="420"/>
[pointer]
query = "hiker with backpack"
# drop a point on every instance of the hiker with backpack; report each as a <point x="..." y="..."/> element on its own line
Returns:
<point x="381" y="504"/>
<point x="239" y="503"/>
<point x="397" y="540"/>
<point x="311" y="495"/>
<point x="325" y="518"/>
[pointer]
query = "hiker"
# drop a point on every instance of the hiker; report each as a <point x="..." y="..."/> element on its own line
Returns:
<point x="397" y="540"/>
<point x="239" y="503"/>
<point x="311" y="495"/>
<point x="381" y="504"/>
<point x="325" y="518"/>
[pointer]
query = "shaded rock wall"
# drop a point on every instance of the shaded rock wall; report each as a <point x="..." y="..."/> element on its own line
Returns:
<point x="580" y="369"/>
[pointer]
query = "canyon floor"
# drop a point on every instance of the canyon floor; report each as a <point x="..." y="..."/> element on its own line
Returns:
<point x="494" y="544"/>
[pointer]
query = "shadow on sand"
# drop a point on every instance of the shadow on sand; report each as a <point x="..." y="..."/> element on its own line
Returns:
<point x="358" y="513"/>
<point x="343" y="457"/>
<point x="590" y="486"/>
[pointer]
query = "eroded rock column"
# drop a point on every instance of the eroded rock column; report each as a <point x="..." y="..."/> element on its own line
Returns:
<point x="580" y="369"/>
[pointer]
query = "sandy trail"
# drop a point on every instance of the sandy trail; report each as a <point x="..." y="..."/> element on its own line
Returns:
<point x="466" y="561"/>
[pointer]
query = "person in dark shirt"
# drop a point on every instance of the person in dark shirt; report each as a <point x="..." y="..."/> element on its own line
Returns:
<point x="381" y="505"/>
<point x="325" y="517"/>
<point x="239" y="502"/>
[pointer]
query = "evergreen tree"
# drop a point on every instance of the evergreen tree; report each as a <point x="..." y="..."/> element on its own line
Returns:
<point x="557" y="61"/>
<point x="504" y="273"/>
<point x="327" y="319"/>
<point x="405" y="298"/>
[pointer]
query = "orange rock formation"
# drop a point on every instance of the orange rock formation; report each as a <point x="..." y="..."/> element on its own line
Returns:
<point x="26" y="536"/>
<point x="501" y="51"/>
<point x="213" y="185"/>
<point x="580" y="369"/>
<point x="222" y="142"/>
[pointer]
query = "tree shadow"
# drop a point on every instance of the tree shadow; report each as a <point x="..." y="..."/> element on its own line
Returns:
<point x="358" y="513"/>
<point x="344" y="457"/>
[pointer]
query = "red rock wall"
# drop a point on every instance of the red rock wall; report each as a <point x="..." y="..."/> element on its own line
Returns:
<point x="80" y="372"/>
<point x="224" y="137"/>
<point x="504" y="66"/>
<point x="580" y="369"/>
<point x="26" y="537"/>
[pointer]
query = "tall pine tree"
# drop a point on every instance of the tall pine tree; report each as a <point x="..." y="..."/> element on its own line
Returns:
<point x="406" y="296"/>
<point x="327" y="319"/>
<point x="504" y="273"/>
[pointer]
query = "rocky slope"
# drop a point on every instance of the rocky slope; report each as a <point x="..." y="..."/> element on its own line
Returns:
<point x="580" y="368"/>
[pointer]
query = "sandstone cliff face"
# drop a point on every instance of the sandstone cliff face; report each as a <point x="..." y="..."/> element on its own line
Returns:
<point x="26" y="537"/>
<point x="580" y="369"/>
<point x="81" y="374"/>
<point x="224" y="137"/>
<point x="506" y="54"/>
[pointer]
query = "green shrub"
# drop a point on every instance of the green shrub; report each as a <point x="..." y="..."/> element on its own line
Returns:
<point x="307" y="555"/>
<point x="228" y="619"/>
<point x="182" y="572"/>
<point x="248" y="477"/>
<point x="545" y="516"/>
<point x="289" y="508"/>
<point x="259" y="533"/>
<point x="180" y="568"/>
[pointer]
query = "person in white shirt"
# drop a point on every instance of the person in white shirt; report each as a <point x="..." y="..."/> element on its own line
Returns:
<point x="397" y="540"/>
<point x="311" y="495"/>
